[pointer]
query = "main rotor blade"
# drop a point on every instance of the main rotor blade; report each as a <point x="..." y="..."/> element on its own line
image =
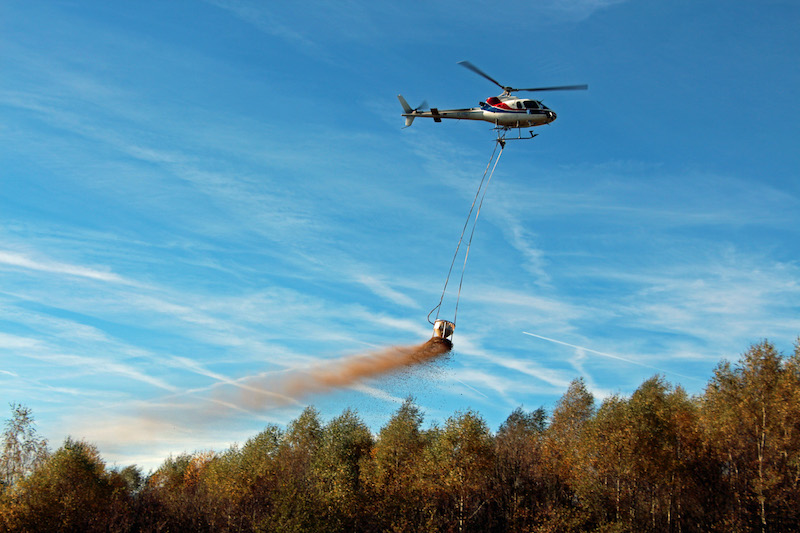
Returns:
<point x="509" y="89"/>
<point x="559" y="88"/>
<point x="479" y="72"/>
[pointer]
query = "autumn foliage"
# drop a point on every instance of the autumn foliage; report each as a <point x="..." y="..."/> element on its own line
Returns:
<point x="659" y="460"/>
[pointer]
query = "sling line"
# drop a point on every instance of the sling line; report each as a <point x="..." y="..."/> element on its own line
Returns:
<point x="482" y="195"/>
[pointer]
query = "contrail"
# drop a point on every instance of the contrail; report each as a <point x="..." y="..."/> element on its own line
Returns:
<point x="471" y="387"/>
<point x="273" y="391"/>
<point x="610" y="356"/>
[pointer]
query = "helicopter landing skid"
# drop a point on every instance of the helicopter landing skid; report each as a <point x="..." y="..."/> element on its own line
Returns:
<point x="503" y="131"/>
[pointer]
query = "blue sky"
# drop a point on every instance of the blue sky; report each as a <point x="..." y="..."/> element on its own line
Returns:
<point x="196" y="193"/>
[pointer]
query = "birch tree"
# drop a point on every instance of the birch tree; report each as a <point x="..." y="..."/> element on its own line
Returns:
<point x="23" y="449"/>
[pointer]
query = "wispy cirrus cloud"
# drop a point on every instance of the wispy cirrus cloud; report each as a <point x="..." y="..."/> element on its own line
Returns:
<point x="746" y="296"/>
<point x="18" y="260"/>
<point x="578" y="10"/>
<point x="266" y="19"/>
<point x="384" y="289"/>
<point x="30" y="348"/>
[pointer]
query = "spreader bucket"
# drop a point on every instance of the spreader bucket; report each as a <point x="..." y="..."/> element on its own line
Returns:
<point x="443" y="329"/>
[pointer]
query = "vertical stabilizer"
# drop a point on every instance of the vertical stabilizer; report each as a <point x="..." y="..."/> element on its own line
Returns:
<point x="407" y="111"/>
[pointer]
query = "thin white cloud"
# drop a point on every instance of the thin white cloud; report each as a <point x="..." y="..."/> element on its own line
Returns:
<point x="15" y="342"/>
<point x="382" y="288"/>
<point x="748" y="300"/>
<point x="264" y="18"/>
<point x="577" y="9"/>
<point x="523" y="240"/>
<point x="92" y="365"/>
<point x="18" y="260"/>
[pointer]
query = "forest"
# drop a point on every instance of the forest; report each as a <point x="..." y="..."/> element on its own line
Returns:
<point x="660" y="460"/>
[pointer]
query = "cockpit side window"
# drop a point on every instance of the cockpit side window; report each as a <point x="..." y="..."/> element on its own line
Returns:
<point x="531" y="104"/>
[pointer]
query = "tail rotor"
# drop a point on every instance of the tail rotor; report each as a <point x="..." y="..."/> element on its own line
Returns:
<point x="408" y="111"/>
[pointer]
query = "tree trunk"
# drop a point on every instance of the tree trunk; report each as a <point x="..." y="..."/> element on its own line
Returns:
<point x="762" y="442"/>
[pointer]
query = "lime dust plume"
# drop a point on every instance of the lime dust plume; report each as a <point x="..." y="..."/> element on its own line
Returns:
<point x="291" y="387"/>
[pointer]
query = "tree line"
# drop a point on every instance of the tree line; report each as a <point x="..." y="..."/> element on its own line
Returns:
<point x="727" y="460"/>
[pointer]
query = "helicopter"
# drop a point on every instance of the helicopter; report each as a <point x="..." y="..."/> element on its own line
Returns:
<point x="505" y="111"/>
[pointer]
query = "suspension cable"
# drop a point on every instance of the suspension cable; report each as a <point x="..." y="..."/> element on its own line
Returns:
<point x="472" y="233"/>
<point x="464" y="229"/>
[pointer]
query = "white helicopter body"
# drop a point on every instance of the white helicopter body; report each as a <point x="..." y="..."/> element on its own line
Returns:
<point x="504" y="111"/>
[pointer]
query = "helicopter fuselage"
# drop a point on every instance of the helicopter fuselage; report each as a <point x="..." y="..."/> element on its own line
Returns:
<point x="502" y="111"/>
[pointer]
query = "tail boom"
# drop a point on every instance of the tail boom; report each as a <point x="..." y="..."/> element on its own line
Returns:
<point x="437" y="115"/>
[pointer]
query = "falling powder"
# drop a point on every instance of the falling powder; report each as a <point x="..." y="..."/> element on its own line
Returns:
<point x="273" y="391"/>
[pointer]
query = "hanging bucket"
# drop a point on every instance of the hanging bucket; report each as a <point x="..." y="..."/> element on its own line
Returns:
<point x="443" y="329"/>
